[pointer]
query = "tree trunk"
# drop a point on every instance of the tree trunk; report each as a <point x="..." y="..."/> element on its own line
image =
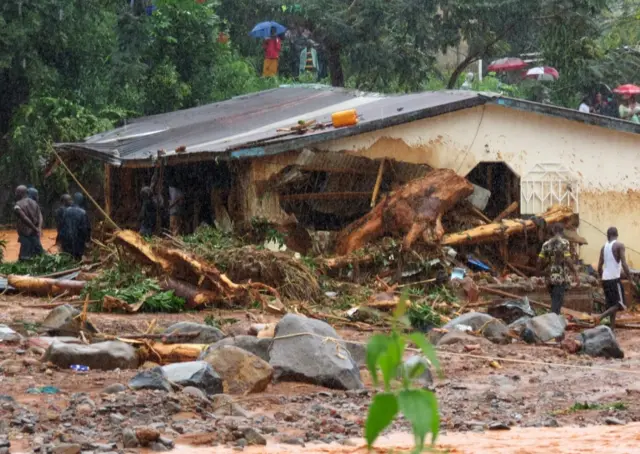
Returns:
<point x="335" y="65"/>
<point x="415" y="209"/>
<point x="461" y="67"/>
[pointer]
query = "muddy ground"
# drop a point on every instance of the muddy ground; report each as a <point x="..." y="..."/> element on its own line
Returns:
<point x="536" y="392"/>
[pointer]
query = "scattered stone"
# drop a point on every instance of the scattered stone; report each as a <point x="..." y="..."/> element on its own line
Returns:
<point x="207" y="334"/>
<point x="544" y="328"/>
<point x="253" y="437"/>
<point x="169" y="443"/>
<point x="63" y="321"/>
<point x="425" y="379"/>
<point x="147" y="435"/>
<point x="293" y="441"/>
<point x="9" y="336"/>
<point x="512" y="310"/>
<point x="151" y="379"/>
<point x="491" y="328"/>
<point x="455" y="337"/>
<point x="358" y="353"/>
<point x="223" y="405"/>
<point x="158" y="447"/>
<point x="242" y="372"/>
<point x="114" y="389"/>
<point x="66" y="448"/>
<point x="499" y="426"/>
<point x="129" y="439"/>
<point x="195" y="393"/>
<point x="600" y="341"/>
<point x="611" y="421"/>
<point x="116" y="418"/>
<point x="198" y="374"/>
<point x="103" y="355"/>
<point x="84" y="410"/>
<point x="11" y="366"/>
<point x="252" y="344"/>
<point x="312" y="359"/>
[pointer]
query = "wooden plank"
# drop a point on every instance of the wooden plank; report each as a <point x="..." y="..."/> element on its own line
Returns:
<point x="376" y="187"/>
<point x="325" y="196"/>
<point x="107" y="190"/>
<point x="506" y="212"/>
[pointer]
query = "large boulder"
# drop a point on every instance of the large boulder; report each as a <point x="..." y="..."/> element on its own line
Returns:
<point x="64" y="321"/>
<point x="206" y="334"/>
<point x="242" y="372"/>
<point x="544" y="328"/>
<point x="252" y="344"/>
<point x="456" y="337"/>
<point x="318" y="358"/>
<point x="600" y="341"/>
<point x="104" y="355"/>
<point x="194" y="373"/>
<point x="154" y="379"/>
<point x="490" y="327"/>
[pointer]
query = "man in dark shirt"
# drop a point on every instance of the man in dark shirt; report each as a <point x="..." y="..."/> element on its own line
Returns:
<point x="150" y="204"/>
<point x="76" y="229"/>
<point x="28" y="224"/>
<point x="65" y="202"/>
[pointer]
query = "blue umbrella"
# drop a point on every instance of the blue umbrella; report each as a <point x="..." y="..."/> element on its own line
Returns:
<point x="263" y="29"/>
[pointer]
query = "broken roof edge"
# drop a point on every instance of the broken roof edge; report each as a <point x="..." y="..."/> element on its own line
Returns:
<point x="69" y="148"/>
<point x="616" y="124"/>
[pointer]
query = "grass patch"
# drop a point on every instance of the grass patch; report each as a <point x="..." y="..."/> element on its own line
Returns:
<point x="40" y="265"/>
<point x="587" y="406"/>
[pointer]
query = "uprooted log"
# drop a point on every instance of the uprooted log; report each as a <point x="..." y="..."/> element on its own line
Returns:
<point x="194" y="297"/>
<point x="508" y="227"/>
<point x="170" y="353"/>
<point x="416" y="210"/>
<point x="44" y="286"/>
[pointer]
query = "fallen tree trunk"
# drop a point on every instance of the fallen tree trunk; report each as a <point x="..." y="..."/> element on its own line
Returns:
<point x="171" y="353"/>
<point x="507" y="227"/>
<point x="193" y="296"/>
<point x="44" y="286"/>
<point x="416" y="210"/>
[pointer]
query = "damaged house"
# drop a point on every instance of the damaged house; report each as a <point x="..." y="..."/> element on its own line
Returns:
<point x="276" y="155"/>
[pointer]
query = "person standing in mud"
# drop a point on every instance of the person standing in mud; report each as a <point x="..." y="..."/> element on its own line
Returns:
<point x="610" y="266"/>
<point x="151" y="204"/>
<point x="65" y="202"/>
<point x="28" y="225"/>
<point x="555" y="259"/>
<point x="76" y="229"/>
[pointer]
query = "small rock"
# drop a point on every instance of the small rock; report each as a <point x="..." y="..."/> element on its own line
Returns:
<point x="63" y="320"/>
<point x="242" y="372"/>
<point x="252" y="344"/>
<point x="9" y="336"/>
<point x="198" y="374"/>
<point x="416" y="361"/>
<point x="114" y="389"/>
<point x="241" y="443"/>
<point x="151" y="379"/>
<point x="206" y="334"/>
<point x="147" y="435"/>
<point x="499" y="426"/>
<point x="223" y="405"/>
<point x="103" y="355"/>
<point x="611" y="421"/>
<point x="129" y="439"/>
<point x="253" y="437"/>
<point x="492" y="328"/>
<point x="66" y="448"/>
<point x="11" y="367"/>
<point x="293" y="441"/>
<point x="545" y="328"/>
<point x="158" y="447"/>
<point x="195" y="392"/>
<point x="600" y="341"/>
<point x="116" y="418"/>
<point x="48" y="372"/>
<point x="169" y="443"/>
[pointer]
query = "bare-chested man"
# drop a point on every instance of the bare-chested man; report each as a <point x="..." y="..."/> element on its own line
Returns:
<point x="612" y="263"/>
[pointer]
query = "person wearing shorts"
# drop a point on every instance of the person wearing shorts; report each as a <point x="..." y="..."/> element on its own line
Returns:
<point x="610" y="266"/>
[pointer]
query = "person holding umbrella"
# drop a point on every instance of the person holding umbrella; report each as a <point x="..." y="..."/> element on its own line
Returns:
<point x="272" y="45"/>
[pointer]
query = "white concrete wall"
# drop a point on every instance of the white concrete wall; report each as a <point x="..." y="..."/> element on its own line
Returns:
<point x="605" y="162"/>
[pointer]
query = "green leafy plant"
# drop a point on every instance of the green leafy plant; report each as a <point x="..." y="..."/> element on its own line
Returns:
<point x="586" y="406"/>
<point x="423" y="317"/>
<point x="419" y="406"/>
<point x="40" y="265"/>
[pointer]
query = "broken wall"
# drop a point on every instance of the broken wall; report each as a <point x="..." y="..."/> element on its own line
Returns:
<point x="605" y="162"/>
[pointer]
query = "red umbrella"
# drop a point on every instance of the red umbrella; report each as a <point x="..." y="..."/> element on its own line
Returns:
<point x="628" y="89"/>
<point x="507" y="64"/>
<point x="543" y="73"/>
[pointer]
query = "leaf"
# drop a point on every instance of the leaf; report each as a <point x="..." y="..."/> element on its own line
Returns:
<point x="382" y="411"/>
<point x="401" y="308"/>
<point x="420" y="407"/>
<point x="427" y="349"/>
<point x="377" y="345"/>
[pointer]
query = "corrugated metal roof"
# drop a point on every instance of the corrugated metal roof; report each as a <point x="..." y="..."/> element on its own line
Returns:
<point x="247" y="125"/>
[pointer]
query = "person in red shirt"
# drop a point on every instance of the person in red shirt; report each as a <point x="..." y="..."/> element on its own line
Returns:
<point x="272" y="46"/>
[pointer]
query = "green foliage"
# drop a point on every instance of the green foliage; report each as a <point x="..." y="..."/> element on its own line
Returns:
<point x="212" y="238"/>
<point x="264" y="230"/>
<point x="423" y="316"/>
<point x="419" y="406"/>
<point x="128" y="283"/>
<point x="41" y="265"/>
<point x="586" y="406"/>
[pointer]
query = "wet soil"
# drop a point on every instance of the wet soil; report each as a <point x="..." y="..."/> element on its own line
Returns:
<point x="531" y="393"/>
<point x="13" y="247"/>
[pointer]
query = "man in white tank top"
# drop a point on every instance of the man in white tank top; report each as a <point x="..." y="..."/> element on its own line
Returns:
<point x="610" y="266"/>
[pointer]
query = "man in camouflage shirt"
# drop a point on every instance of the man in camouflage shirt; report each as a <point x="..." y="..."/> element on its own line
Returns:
<point x="555" y="257"/>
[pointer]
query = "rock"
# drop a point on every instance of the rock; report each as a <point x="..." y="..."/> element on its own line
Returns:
<point x="252" y="344"/>
<point x="84" y="410"/>
<point x="242" y="372"/>
<point x="455" y="337"/>
<point x="114" y="389"/>
<point x="11" y="366"/>
<point x="499" y="426"/>
<point x="358" y="353"/>
<point x="600" y="341"/>
<point x="611" y="421"/>
<point x="195" y="393"/>
<point x="169" y="443"/>
<point x="147" y="435"/>
<point x="198" y="374"/>
<point x="207" y="334"/>
<point x="129" y="439"/>
<point x="66" y="448"/>
<point x="223" y="405"/>
<point x="104" y="355"/>
<point x="490" y="327"/>
<point x="116" y="418"/>
<point x="544" y="328"/>
<point x="62" y="321"/>
<point x="44" y="342"/>
<point x="312" y="359"/>
<point x="293" y="441"/>
<point x="511" y="310"/>
<point x="158" y="447"/>
<point x="253" y="437"/>
<point x="151" y="379"/>
<point x="9" y="336"/>
<point x="425" y="378"/>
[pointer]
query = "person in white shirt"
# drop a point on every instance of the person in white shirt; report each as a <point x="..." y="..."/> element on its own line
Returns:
<point x="610" y="266"/>
<point x="585" y="106"/>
